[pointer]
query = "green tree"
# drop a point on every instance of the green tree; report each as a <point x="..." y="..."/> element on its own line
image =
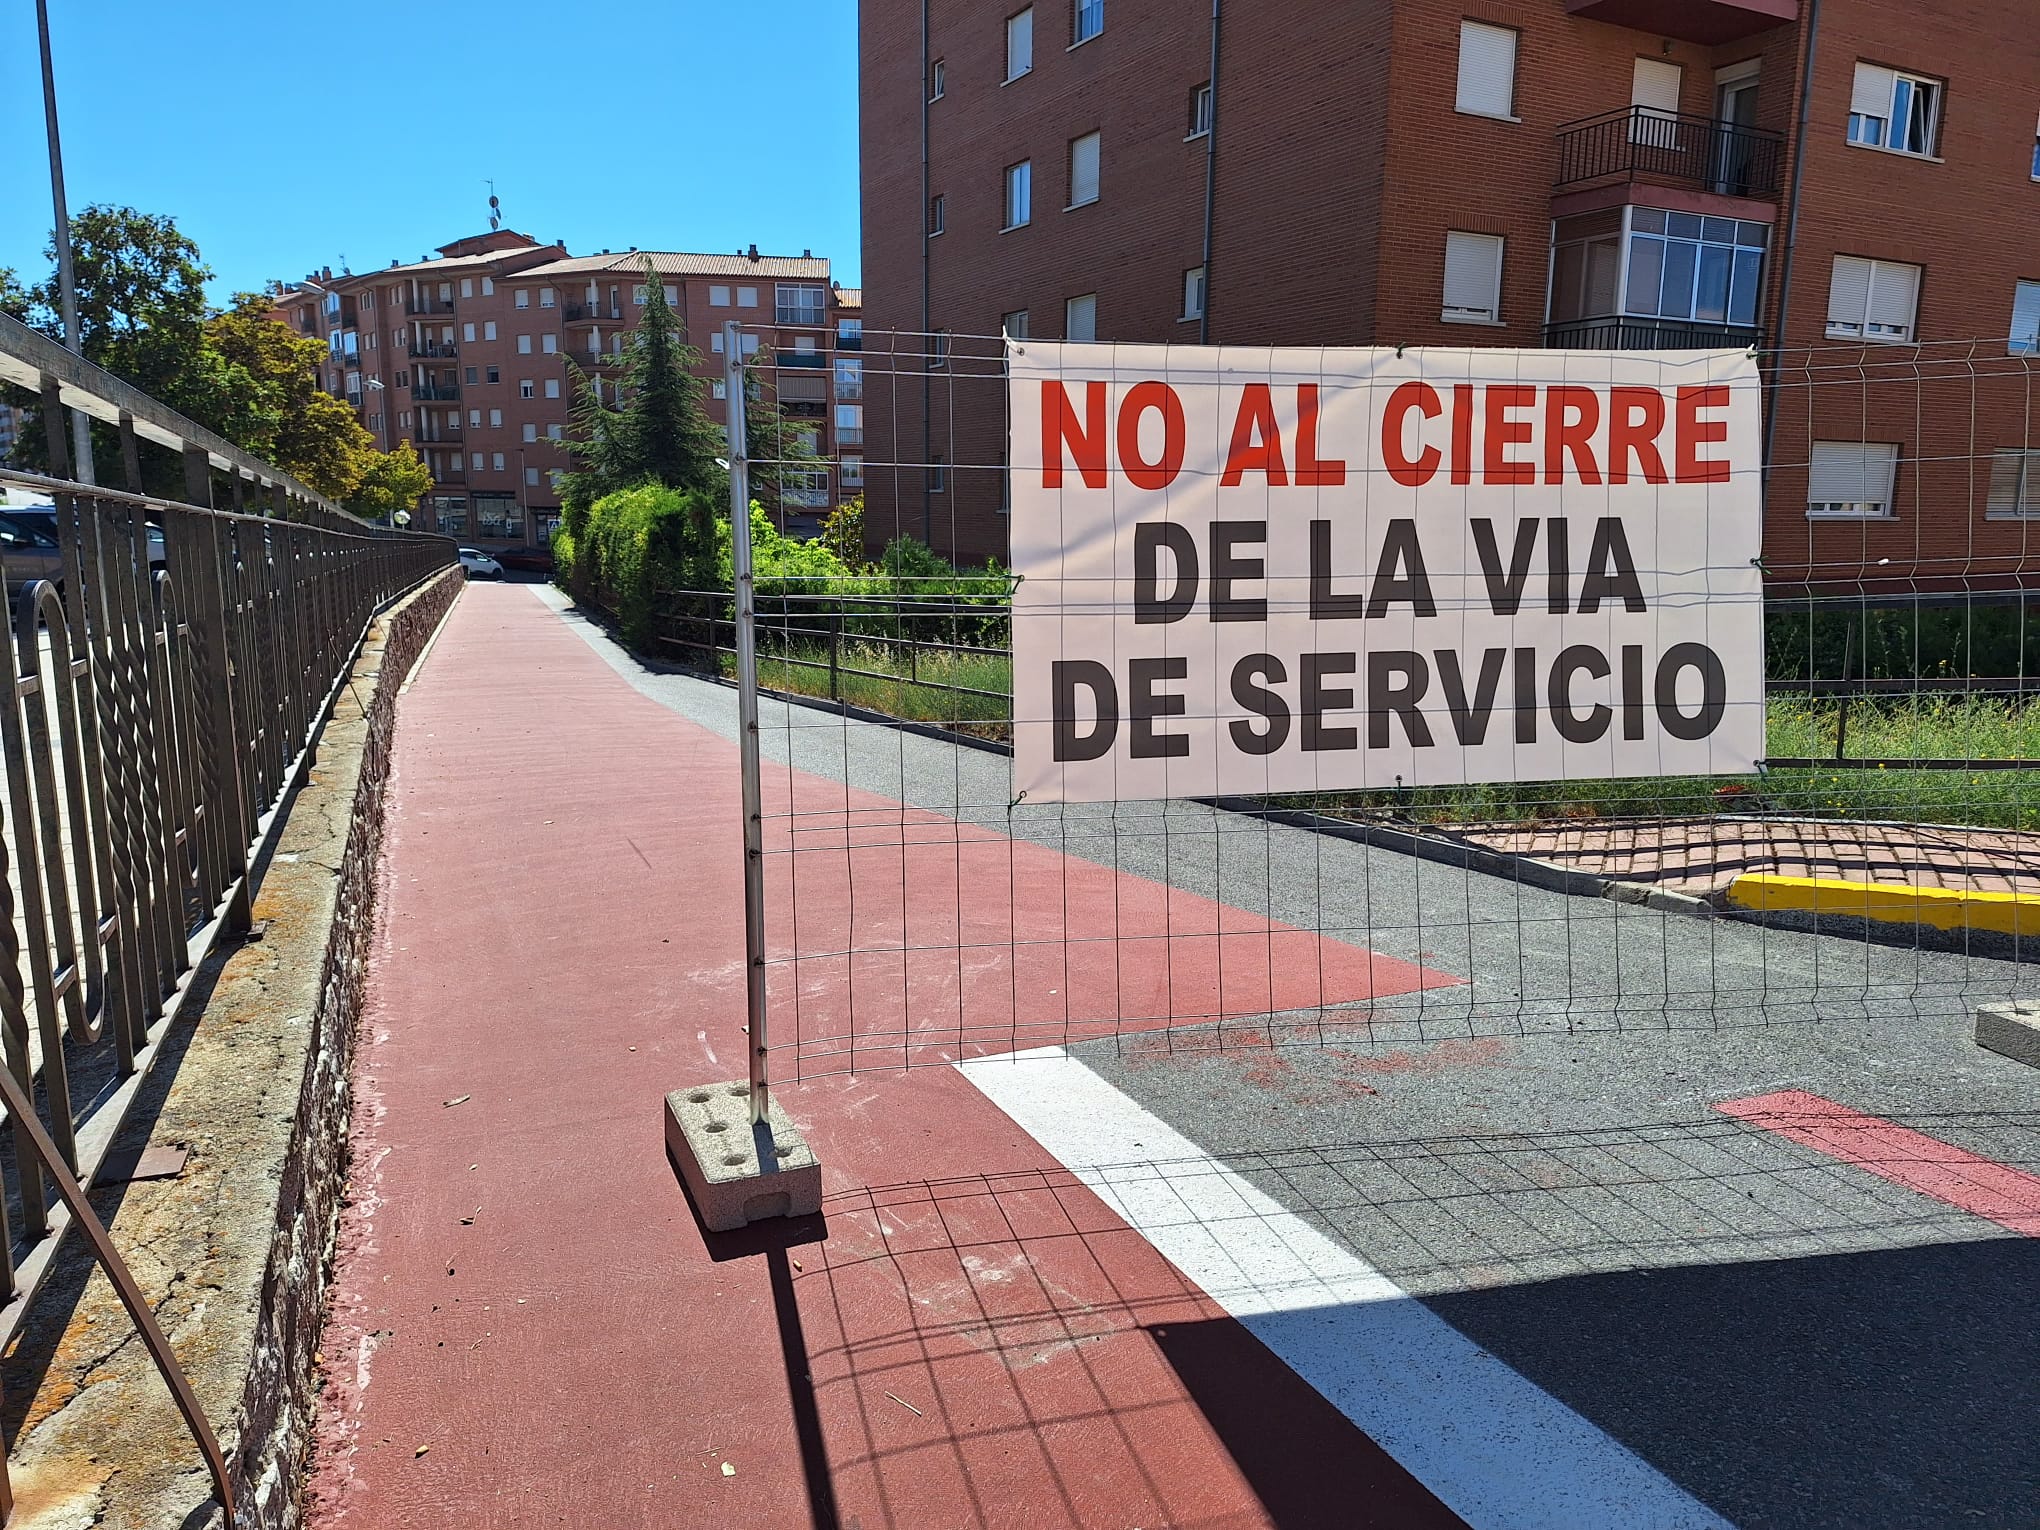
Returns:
<point x="289" y="418"/>
<point x="657" y="433"/>
<point x="391" y="482"/>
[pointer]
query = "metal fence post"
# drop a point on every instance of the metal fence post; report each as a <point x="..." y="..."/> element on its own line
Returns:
<point x="747" y="720"/>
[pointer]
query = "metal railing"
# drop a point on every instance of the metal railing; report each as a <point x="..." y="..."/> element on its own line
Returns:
<point x="426" y="393"/>
<point x="418" y="307"/>
<point x="582" y="313"/>
<point x="434" y="348"/>
<point x="1633" y="334"/>
<point x="173" y="664"/>
<point x="1641" y="142"/>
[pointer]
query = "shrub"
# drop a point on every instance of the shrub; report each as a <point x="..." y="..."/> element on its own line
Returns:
<point x="636" y="548"/>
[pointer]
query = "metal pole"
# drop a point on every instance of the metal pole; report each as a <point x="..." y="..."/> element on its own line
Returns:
<point x="67" y="277"/>
<point x="747" y="719"/>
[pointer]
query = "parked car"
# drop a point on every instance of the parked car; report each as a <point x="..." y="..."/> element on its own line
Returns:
<point x="480" y="565"/>
<point x="526" y="560"/>
<point x="28" y="546"/>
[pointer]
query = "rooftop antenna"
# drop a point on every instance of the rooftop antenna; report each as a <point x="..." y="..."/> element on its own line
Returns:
<point x="495" y="209"/>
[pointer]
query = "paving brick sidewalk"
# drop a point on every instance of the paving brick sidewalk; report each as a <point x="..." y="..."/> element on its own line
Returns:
<point x="1702" y="856"/>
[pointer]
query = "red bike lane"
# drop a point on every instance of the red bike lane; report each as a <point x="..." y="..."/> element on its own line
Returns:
<point x="528" y="1325"/>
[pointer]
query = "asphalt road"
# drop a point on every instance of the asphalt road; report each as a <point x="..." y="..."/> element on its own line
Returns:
<point x="1536" y="1151"/>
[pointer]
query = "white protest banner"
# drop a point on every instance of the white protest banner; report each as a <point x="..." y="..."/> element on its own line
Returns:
<point x="1252" y="571"/>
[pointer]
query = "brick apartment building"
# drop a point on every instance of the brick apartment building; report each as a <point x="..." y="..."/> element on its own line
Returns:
<point x="466" y="355"/>
<point x="1857" y="176"/>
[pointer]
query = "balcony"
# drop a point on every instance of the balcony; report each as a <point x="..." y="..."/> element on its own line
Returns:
<point x="427" y="307"/>
<point x="1633" y="334"/>
<point x="428" y="393"/>
<point x="1700" y="21"/>
<point x="798" y="358"/>
<point x="587" y="313"/>
<point x="434" y="348"/>
<point x="1637" y="143"/>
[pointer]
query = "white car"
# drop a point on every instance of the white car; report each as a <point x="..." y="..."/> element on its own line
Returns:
<point x="480" y="565"/>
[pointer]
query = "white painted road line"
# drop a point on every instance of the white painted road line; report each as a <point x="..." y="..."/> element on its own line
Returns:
<point x="1496" y="1449"/>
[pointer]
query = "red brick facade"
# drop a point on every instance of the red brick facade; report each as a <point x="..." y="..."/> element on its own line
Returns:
<point x="1342" y="161"/>
<point x="465" y="356"/>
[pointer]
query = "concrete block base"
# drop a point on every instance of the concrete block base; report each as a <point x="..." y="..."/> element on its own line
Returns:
<point x="735" y="1172"/>
<point x="2011" y="1030"/>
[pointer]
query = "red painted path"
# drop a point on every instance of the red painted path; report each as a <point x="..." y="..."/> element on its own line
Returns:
<point x="529" y="1327"/>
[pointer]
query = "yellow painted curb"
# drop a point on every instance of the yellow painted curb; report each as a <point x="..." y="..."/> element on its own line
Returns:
<point x="1943" y="908"/>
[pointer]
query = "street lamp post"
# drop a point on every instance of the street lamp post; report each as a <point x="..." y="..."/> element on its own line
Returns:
<point x="67" y="278"/>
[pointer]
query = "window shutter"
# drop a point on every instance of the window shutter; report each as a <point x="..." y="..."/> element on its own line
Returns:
<point x="1080" y="318"/>
<point x="2012" y="483"/>
<point x="1852" y="473"/>
<point x="1872" y="95"/>
<point x="1894" y="299"/>
<point x="1473" y="275"/>
<point x="1849" y="294"/>
<point x="1084" y="169"/>
<point x="1654" y="95"/>
<point x="1019" y="44"/>
<point x="1487" y="69"/>
<point x="2026" y="318"/>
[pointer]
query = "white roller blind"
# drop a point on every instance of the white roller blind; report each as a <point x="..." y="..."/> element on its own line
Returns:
<point x="2026" y="318"/>
<point x="1487" y="69"/>
<point x="1084" y="169"/>
<point x="1894" y="300"/>
<point x="1473" y="276"/>
<point x="2014" y="484"/>
<point x="1872" y="94"/>
<point x="1020" y="44"/>
<point x="1853" y="474"/>
<point x="1654" y="92"/>
<point x="1849" y="294"/>
<point x="1080" y="317"/>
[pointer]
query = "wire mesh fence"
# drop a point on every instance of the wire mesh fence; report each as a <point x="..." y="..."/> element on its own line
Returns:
<point x="920" y="909"/>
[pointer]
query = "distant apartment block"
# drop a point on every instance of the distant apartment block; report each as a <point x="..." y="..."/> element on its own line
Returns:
<point x="1571" y="173"/>
<point x="467" y="356"/>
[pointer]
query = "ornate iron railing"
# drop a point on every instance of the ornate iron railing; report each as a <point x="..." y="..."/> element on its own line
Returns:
<point x="1642" y="143"/>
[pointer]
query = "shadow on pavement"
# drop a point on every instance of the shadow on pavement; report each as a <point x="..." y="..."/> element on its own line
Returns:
<point x="1894" y="1388"/>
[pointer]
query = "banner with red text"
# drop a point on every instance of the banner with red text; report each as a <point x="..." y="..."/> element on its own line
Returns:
<point x="1255" y="571"/>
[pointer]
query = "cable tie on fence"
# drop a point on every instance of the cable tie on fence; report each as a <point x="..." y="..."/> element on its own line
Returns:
<point x="1399" y="349"/>
<point x="1017" y="800"/>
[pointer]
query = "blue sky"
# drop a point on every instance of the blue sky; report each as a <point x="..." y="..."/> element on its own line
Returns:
<point x="282" y="137"/>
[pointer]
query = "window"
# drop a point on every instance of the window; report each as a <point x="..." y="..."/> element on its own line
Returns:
<point x="467" y="333"/>
<point x="798" y="304"/>
<point x="1473" y="278"/>
<point x="2036" y="153"/>
<point x="552" y="387"/>
<point x="530" y="431"/>
<point x="804" y="488"/>
<point x="849" y="424"/>
<point x="1014" y="325"/>
<point x="472" y="374"/>
<point x="1089" y="21"/>
<point x="495" y="419"/>
<point x="719" y="389"/>
<point x="496" y="461"/>
<point x="747" y="297"/>
<point x="522" y="298"/>
<point x="1080" y="317"/>
<point x="807" y="345"/>
<point x="934" y="215"/>
<point x="548" y="343"/>
<point x="488" y="286"/>
<point x="938" y="475"/>
<point x="526" y="388"/>
<point x="446" y="293"/>
<point x="524" y="345"/>
<point x="475" y="419"/>
<point x="2025" y="339"/>
<point x="936" y="77"/>
<point x="853" y="472"/>
<point x="555" y="431"/>
<point x="850" y="334"/>
<point x="1684" y="266"/>
<point x="547" y="297"/>
<point x="495" y="374"/>
<point x="715" y="343"/>
<point x="467" y="287"/>
<point x="531" y="478"/>
<point x="1019" y="193"/>
<point x="1654" y="103"/>
<point x="1200" y="110"/>
<point x="718" y="297"/>
<point x="1083" y="170"/>
<point x="938" y="350"/>
<point x="475" y="462"/>
<point x="672" y="295"/>
<point x="1487" y="70"/>
<point x="489" y="329"/>
<point x="849" y="377"/>
<point x="1872" y="299"/>
<point x="1193" y="293"/>
<point x="1851" y="480"/>
<point x="1019" y="44"/>
<point x="1889" y="110"/>
<point x="2014" y="484"/>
